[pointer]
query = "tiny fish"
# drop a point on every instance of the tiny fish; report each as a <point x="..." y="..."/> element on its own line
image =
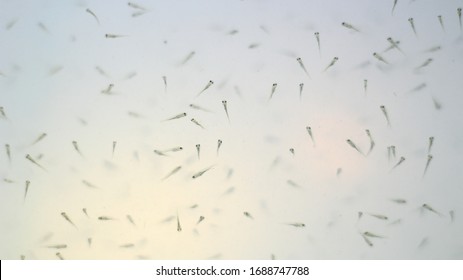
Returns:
<point x="380" y="58"/>
<point x="301" y="87"/>
<point x="209" y="84"/>
<point x="274" y="87"/>
<point x="105" y="218"/>
<point x="200" y="173"/>
<point x="93" y="14"/>
<point x="331" y="63"/>
<point x="176" y="117"/>
<point x="76" y="147"/>
<point x="198" y="149"/>
<point x="299" y="60"/>
<point x="219" y="143"/>
<point x="383" y="109"/>
<point x="66" y="217"/>
<point x="247" y="214"/>
<point x="175" y="170"/>
<point x="427" y="164"/>
<point x="130" y="219"/>
<point x="197" y="123"/>
<point x="352" y="144"/>
<point x="201" y="218"/>
<point x="369" y="234"/>
<point x="113" y="36"/>
<point x="317" y="36"/>
<point x="26" y="188"/>
<point x="224" y="103"/>
<point x="402" y="159"/>
<point x="412" y="24"/>
<point x="187" y="58"/>
<point x="28" y="157"/>
<point x="350" y="26"/>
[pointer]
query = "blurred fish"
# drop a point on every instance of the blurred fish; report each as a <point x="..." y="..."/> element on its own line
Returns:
<point x="365" y="86"/>
<point x="101" y="71"/>
<point x="23" y="257"/>
<point x="209" y="84"/>
<point x="437" y="104"/>
<point x="201" y="218"/>
<point x="274" y="87"/>
<point x="197" y="123"/>
<point x="179" y="227"/>
<point x="127" y="245"/>
<point x="135" y="6"/>
<point x="452" y="216"/>
<point x="76" y="147"/>
<point x="43" y="27"/>
<point x="293" y="184"/>
<point x="93" y="14"/>
<point x="372" y="142"/>
<point x="383" y="109"/>
<point x="377" y="216"/>
<point x="58" y="254"/>
<point x="113" y="36"/>
<point x="9" y="181"/>
<point x="105" y="218"/>
<point x="34" y="162"/>
<point x="441" y="22"/>
<point x="26" y="188"/>
<point x="164" y="78"/>
<point x="331" y="63"/>
<point x="114" y="148"/>
<point x="247" y="214"/>
<point x="412" y="24"/>
<point x="424" y="64"/>
<point x="85" y="212"/>
<point x="338" y="172"/>
<point x="299" y="60"/>
<point x="399" y="200"/>
<point x="8" y="152"/>
<point x="394" y="44"/>
<point x="89" y="242"/>
<point x="427" y="164"/>
<point x="224" y="103"/>
<point x="380" y="58"/>
<point x="187" y="58"/>
<point x="393" y="6"/>
<point x="350" y="26"/>
<point x="367" y="240"/>
<point x="369" y="234"/>
<point x="11" y="23"/>
<point x="459" y="16"/>
<point x="2" y="113"/>
<point x="159" y="153"/>
<point x="291" y="150"/>
<point x="130" y="219"/>
<point x="66" y="217"/>
<point x="301" y="87"/>
<point x="41" y="136"/>
<point x="58" y="246"/>
<point x="108" y="89"/>
<point x="88" y="184"/>
<point x="55" y="70"/>
<point x="176" y="117"/>
<point x="360" y="215"/>
<point x="219" y="143"/>
<point x="175" y="170"/>
<point x="429" y="208"/>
